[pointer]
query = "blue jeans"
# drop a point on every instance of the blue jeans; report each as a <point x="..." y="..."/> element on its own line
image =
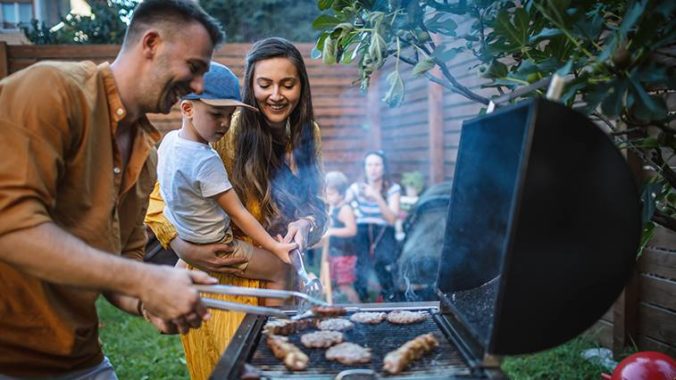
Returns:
<point x="102" y="371"/>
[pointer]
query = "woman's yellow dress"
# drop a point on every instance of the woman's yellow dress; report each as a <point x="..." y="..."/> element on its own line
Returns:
<point x="204" y="346"/>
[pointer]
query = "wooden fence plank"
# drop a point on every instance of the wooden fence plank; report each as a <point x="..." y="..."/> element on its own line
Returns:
<point x="658" y="262"/>
<point x="649" y="344"/>
<point x="658" y="291"/>
<point x="657" y="323"/>
<point x="664" y="238"/>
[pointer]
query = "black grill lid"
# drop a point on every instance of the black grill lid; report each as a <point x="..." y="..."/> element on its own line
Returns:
<point x="542" y="231"/>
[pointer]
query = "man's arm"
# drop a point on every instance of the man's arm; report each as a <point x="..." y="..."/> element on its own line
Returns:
<point x="37" y="131"/>
<point x="59" y="257"/>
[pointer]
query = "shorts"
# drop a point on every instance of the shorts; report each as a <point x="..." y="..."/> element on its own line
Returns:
<point x="241" y="249"/>
<point x="342" y="269"/>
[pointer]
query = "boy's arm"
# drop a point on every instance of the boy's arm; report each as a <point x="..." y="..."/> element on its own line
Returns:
<point x="231" y="204"/>
<point x="346" y="216"/>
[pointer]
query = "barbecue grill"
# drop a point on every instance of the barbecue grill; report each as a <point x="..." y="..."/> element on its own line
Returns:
<point x="536" y="249"/>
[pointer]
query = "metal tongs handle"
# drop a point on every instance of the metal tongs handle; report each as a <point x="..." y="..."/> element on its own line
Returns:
<point x="251" y="309"/>
<point x="256" y="292"/>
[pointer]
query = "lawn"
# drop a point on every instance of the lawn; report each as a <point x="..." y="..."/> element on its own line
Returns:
<point x="138" y="352"/>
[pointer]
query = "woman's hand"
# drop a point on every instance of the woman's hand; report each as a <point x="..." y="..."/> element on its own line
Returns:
<point x="208" y="257"/>
<point x="298" y="232"/>
<point x="369" y="193"/>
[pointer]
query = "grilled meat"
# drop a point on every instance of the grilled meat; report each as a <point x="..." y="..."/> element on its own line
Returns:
<point x="405" y="317"/>
<point x="335" y="324"/>
<point x="321" y="339"/>
<point x="349" y="353"/>
<point x="328" y="311"/>
<point x="286" y="327"/>
<point x="372" y="318"/>
<point x="292" y="357"/>
<point x="397" y="360"/>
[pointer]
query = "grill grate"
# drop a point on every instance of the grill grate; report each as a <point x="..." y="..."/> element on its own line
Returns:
<point x="381" y="339"/>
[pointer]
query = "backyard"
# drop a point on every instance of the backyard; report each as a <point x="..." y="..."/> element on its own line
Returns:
<point x="138" y="352"/>
<point x="424" y="70"/>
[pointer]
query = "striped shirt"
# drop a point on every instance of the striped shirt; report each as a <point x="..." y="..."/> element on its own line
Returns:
<point x="367" y="211"/>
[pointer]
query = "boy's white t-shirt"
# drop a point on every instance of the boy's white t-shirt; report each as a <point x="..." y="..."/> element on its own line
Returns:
<point x="190" y="173"/>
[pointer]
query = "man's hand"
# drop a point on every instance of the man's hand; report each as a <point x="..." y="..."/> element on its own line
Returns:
<point x="208" y="257"/>
<point x="169" y="294"/>
<point x="164" y="327"/>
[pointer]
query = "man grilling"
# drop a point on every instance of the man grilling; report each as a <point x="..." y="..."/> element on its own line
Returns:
<point x="78" y="163"/>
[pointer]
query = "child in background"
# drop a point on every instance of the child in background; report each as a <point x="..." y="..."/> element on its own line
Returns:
<point x="200" y="201"/>
<point x="343" y="228"/>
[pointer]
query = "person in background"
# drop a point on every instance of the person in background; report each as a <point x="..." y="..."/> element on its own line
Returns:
<point x="78" y="163"/>
<point x="343" y="228"/>
<point x="272" y="158"/>
<point x="413" y="183"/>
<point x="376" y="204"/>
<point x="193" y="182"/>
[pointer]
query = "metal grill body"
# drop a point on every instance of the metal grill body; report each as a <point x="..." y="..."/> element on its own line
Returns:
<point x="447" y="361"/>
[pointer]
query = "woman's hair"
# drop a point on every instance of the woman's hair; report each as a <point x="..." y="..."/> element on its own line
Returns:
<point x="338" y="181"/>
<point x="387" y="178"/>
<point x="259" y="169"/>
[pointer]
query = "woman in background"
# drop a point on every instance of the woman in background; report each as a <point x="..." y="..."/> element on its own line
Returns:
<point x="376" y="204"/>
<point x="273" y="159"/>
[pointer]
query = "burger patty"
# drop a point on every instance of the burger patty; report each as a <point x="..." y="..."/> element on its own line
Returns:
<point x="349" y="353"/>
<point x="321" y="339"/>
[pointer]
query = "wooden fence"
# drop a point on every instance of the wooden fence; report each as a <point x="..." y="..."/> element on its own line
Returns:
<point x="422" y="134"/>
<point x="644" y="316"/>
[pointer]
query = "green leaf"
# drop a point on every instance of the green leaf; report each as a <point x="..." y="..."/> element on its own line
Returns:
<point x="446" y="55"/>
<point x="320" y="41"/>
<point x="325" y="22"/>
<point x="566" y="69"/>
<point x="614" y="101"/>
<point x="324" y="4"/>
<point x="329" y="52"/>
<point x="514" y="35"/>
<point x="568" y="96"/>
<point x="545" y="34"/>
<point x="395" y="93"/>
<point x="441" y="24"/>
<point x="495" y="70"/>
<point x="630" y="18"/>
<point x="656" y="109"/>
<point x="423" y="66"/>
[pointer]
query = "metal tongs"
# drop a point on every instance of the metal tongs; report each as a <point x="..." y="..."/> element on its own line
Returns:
<point x="309" y="285"/>
<point x="252" y="292"/>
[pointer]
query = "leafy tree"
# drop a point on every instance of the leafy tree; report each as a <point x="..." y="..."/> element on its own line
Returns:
<point x="242" y="20"/>
<point x="616" y="52"/>
<point x="106" y="25"/>
<point x="251" y="20"/>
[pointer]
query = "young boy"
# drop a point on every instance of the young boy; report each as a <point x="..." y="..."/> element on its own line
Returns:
<point x="199" y="198"/>
<point x="342" y="258"/>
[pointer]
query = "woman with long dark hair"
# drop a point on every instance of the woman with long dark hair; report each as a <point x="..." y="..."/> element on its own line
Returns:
<point x="273" y="161"/>
<point x="376" y="204"/>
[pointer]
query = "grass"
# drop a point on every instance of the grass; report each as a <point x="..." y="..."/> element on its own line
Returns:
<point x="138" y="351"/>
<point x="563" y="362"/>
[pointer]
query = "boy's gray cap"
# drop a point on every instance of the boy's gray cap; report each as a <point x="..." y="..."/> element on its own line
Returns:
<point x="221" y="88"/>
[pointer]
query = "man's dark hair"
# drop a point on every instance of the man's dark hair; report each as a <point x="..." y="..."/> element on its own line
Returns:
<point x="153" y="12"/>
